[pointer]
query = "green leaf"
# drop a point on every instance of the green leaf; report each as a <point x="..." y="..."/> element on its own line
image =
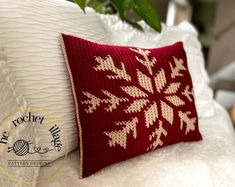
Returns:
<point x="146" y="11"/>
<point x="81" y="4"/>
<point x="122" y="6"/>
<point x="97" y="6"/>
<point x="133" y="24"/>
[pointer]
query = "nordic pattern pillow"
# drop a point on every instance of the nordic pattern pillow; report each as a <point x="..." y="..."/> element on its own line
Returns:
<point x="129" y="100"/>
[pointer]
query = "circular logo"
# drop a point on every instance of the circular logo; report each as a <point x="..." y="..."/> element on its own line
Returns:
<point x="32" y="140"/>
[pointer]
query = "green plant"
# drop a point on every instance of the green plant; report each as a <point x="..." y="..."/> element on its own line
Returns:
<point x="142" y="8"/>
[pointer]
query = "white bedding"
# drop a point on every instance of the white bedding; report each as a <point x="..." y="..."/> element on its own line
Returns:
<point x="210" y="162"/>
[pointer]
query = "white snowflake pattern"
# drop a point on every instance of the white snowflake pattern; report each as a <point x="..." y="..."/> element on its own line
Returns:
<point x="140" y="98"/>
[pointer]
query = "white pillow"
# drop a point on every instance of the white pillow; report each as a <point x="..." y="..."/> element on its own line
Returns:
<point x="121" y="33"/>
<point x="29" y="36"/>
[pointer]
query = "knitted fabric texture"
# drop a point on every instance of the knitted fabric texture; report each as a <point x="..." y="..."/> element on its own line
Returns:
<point x="129" y="100"/>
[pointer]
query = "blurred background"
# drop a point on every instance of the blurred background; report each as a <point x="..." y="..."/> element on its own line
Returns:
<point x="215" y="22"/>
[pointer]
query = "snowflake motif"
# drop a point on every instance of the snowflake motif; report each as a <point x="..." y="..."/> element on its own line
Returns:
<point x="142" y="96"/>
<point x="139" y="98"/>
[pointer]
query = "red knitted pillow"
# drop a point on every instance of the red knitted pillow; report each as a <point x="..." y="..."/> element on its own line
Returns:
<point x="129" y="100"/>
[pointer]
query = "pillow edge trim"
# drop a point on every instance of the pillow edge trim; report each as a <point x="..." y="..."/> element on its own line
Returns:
<point x="75" y="102"/>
